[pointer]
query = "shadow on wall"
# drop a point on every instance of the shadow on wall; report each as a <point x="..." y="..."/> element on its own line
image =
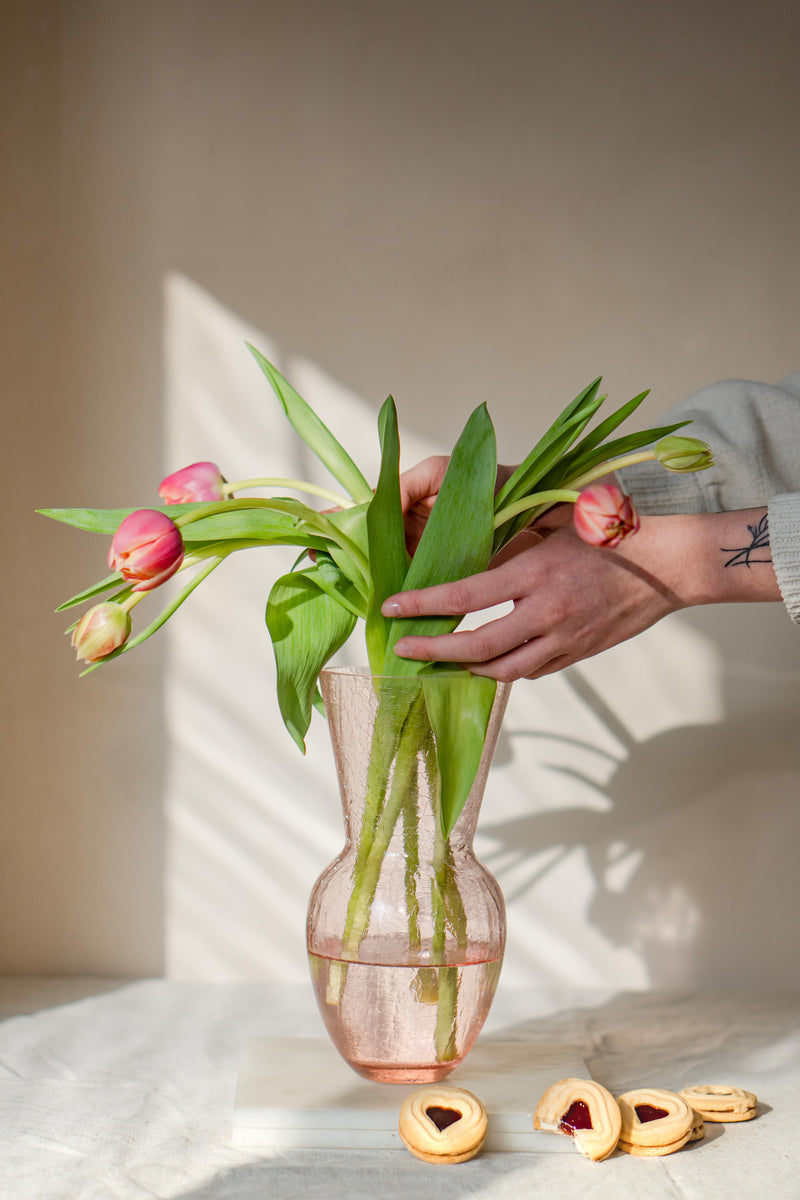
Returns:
<point x="694" y="862"/>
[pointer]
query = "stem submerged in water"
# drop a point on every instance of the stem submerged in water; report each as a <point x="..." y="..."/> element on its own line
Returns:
<point x="401" y="748"/>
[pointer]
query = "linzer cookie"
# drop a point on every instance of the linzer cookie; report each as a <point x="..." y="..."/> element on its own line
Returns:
<point x="654" y="1122"/>
<point x="442" y="1124"/>
<point x="698" y="1127"/>
<point x="583" y="1110"/>
<point x="718" y="1102"/>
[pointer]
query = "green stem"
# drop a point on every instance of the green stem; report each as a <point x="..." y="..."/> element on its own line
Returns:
<point x="446" y="1029"/>
<point x="534" y="500"/>
<point x="365" y="877"/>
<point x="614" y="464"/>
<point x="398" y="739"/>
<point x="386" y="732"/>
<point x="454" y="905"/>
<point x="411" y="862"/>
<point x="295" y="485"/>
<point x="162" y="617"/>
<point x="302" y="515"/>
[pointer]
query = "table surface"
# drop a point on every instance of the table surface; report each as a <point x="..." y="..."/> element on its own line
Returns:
<point x="124" y="1089"/>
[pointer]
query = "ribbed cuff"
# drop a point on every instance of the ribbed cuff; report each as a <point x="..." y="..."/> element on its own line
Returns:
<point x="784" y="541"/>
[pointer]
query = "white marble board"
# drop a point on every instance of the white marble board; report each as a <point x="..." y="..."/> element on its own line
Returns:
<point x="298" y="1092"/>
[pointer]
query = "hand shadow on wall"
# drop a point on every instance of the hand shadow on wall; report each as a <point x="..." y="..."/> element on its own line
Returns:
<point x="695" y="863"/>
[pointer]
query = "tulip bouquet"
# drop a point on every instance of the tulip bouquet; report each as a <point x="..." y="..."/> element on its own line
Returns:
<point x="357" y="550"/>
<point x="353" y="556"/>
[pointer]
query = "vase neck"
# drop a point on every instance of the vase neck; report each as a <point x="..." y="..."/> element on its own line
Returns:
<point x="385" y="756"/>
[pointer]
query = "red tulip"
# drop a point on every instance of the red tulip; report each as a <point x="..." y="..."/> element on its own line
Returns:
<point x="100" y="630"/>
<point x="604" y="515"/>
<point x="147" y="549"/>
<point x="200" y="481"/>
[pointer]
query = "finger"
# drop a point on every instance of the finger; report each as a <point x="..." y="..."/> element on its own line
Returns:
<point x="484" y="644"/>
<point x="421" y="482"/>
<point x="536" y="658"/>
<point x="458" y="598"/>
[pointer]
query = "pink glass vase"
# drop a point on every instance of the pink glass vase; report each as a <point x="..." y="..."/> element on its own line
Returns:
<point x="406" y="929"/>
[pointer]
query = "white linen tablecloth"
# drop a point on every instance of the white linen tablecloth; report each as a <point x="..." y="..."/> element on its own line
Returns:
<point x="124" y="1089"/>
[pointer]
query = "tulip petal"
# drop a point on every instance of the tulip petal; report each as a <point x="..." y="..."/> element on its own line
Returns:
<point x="603" y="515"/>
<point x="200" y="481"/>
<point x="147" y="549"/>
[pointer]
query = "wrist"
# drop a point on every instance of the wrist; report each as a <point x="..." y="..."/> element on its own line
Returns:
<point x="707" y="558"/>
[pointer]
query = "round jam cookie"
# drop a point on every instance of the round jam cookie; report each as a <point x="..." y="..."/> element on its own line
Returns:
<point x="654" y="1122"/>
<point x="718" y="1102"/>
<point x="442" y="1124"/>
<point x="583" y="1110"/>
<point x="698" y="1127"/>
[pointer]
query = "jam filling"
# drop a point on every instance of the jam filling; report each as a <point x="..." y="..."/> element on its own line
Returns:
<point x="442" y="1117"/>
<point x="648" y="1112"/>
<point x="577" y="1116"/>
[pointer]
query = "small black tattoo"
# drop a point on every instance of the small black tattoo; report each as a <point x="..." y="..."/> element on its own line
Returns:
<point x="744" y="556"/>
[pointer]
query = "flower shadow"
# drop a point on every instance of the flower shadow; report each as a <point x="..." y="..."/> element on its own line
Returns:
<point x="694" y="854"/>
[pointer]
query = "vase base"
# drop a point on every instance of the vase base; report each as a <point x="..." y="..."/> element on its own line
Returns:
<point x="405" y="1074"/>
<point x="401" y="1023"/>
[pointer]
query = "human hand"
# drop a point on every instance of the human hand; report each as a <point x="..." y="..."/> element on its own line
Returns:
<point x="572" y="600"/>
<point x="419" y="487"/>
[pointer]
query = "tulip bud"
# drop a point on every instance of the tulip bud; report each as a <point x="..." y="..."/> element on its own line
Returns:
<point x="684" y="454"/>
<point x="603" y="515"/>
<point x="147" y="549"/>
<point x="200" y="481"/>
<point x="100" y="630"/>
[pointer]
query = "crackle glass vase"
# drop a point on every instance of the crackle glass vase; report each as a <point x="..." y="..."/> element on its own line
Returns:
<point x="406" y="929"/>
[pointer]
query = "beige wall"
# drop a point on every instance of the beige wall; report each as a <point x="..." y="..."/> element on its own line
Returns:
<point x="452" y="201"/>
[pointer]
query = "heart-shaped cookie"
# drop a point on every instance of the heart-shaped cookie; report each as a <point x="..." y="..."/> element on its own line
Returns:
<point x="441" y="1124"/>
<point x="654" y="1122"/>
<point x="584" y="1111"/>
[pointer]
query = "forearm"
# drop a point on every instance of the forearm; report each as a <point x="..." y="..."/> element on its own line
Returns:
<point x="707" y="558"/>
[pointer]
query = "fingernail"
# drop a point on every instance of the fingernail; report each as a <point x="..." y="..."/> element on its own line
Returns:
<point x="402" y="649"/>
<point x="390" y="608"/>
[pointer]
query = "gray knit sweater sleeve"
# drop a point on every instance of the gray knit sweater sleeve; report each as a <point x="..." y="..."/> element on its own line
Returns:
<point x="754" y="431"/>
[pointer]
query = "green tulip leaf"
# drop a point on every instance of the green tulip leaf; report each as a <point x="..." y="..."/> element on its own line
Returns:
<point x="457" y="539"/>
<point x="253" y="522"/>
<point x="307" y="625"/>
<point x="330" y="578"/>
<point x="459" y="707"/>
<point x="350" y="525"/>
<point x="579" y="462"/>
<point x="96" y="589"/>
<point x="314" y="432"/>
<point x="559" y="437"/>
<point x="388" y="557"/>
<point x="612" y="422"/>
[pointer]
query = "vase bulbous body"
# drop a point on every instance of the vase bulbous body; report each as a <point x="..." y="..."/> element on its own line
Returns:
<point x="406" y="929"/>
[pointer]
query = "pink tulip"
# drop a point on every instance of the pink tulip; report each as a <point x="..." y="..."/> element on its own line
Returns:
<point x="604" y="515"/>
<point x="147" y="549"/>
<point x="100" y="630"/>
<point x="200" y="481"/>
